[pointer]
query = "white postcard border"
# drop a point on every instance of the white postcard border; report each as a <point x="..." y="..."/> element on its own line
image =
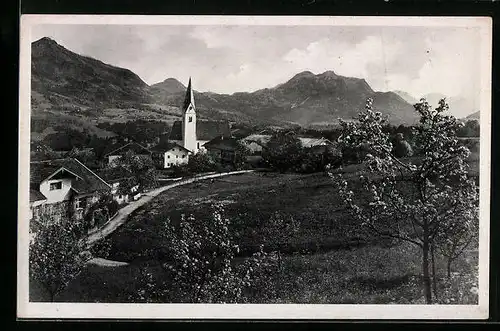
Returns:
<point x="26" y="309"/>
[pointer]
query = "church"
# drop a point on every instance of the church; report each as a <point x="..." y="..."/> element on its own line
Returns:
<point x="191" y="133"/>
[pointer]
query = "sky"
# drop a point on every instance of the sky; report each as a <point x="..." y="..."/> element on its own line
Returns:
<point x="235" y="58"/>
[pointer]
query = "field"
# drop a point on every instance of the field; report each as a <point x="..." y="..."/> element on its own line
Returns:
<point x="328" y="261"/>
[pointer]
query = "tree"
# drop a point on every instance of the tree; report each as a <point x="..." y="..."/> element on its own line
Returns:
<point x="240" y="155"/>
<point x="56" y="253"/>
<point x="201" y="162"/>
<point x="283" y="151"/>
<point x="417" y="203"/>
<point x="201" y="263"/>
<point x="142" y="168"/>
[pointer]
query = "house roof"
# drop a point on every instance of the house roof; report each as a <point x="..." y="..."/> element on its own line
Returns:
<point x="311" y="142"/>
<point x="115" y="174"/>
<point x="165" y="146"/>
<point x="133" y="146"/>
<point x="221" y="142"/>
<point x="205" y="130"/>
<point x="86" y="180"/>
<point x="36" y="196"/>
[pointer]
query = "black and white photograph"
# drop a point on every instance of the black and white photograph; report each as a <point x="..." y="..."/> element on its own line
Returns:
<point x="254" y="167"/>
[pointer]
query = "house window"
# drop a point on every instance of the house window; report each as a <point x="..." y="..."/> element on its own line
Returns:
<point x="190" y="119"/>
<point x="55" y="186"/>
<point x="177" y="156"/>
<point x="183" y="155"/>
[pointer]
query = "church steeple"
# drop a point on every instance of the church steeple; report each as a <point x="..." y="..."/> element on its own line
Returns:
<point x="189" y="139"/>
<point x="189" y="99"/>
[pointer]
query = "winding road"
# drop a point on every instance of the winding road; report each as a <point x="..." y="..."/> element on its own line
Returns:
<point x="123" y="213"/>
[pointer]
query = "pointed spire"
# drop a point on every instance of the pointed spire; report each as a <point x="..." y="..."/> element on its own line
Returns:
<point x="189" y="99"/>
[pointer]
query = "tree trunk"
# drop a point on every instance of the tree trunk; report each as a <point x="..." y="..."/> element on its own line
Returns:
<point x="425" y="269"/>
<point x="448" y="267"/>
<point x="433" y="265"/>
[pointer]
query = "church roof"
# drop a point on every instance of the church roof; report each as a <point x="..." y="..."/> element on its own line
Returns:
<point x="205" y="130"/>
<point x="189" y="99"/>
<point x="223" y="143"/>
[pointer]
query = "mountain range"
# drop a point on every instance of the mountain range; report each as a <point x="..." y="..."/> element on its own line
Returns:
<point x="459" y="107"/>
<point x="64" y="82"/>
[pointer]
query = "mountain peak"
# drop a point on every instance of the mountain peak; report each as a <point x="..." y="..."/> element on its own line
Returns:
<point x="329" y="73"/>
<point x="45" y="41"/>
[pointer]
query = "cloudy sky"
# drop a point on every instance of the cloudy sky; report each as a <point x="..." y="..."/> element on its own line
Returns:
<point x="227" y="59"/>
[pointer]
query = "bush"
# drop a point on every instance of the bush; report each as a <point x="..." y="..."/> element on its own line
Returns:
<point x="201" y="162"/>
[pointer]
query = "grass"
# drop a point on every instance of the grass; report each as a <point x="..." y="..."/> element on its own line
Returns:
<point x="335" y="269"/>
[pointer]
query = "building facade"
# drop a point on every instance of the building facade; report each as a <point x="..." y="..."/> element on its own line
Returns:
<point x="191" y="133"/>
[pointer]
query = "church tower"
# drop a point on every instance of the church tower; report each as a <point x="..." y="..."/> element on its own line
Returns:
<point x="189" y="121"/>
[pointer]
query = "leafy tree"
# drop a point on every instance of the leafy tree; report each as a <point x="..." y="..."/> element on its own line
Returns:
<point x="56" y="253"/>
<point x="416" y="203"/>
<point x="401" y="147"/>
<point x="469" y="129"/>
<point x="283" y="152"/>
<point x="201" y="162"/>
<point x="201" y="263"/>
<point x="240" y="155"/>
<point x="100" y="212"/>
<point x="142" y="168"/>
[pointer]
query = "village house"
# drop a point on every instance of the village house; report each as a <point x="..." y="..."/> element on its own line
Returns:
<point x="123" y="185"/>
<point x="113" y="156"/>
<point x="191" y="133"/>
<point x="222" y="149"/>
<point x="63" y="188"/>
<point x="257" y="142"/>
<point x="167" y="154"/>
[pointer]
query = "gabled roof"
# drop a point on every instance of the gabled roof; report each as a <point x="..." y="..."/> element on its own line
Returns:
<point x="86" y="180"/>
<point x="221" y="142"/>
<point x="310" y="142"/>
<point x="205" y="130"/>
<point x="135" y="147"/>
<point x="115" y="174"/>
<point x="165" y="146"/>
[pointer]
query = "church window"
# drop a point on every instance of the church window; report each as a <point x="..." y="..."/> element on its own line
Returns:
<point x="190" y="119"/>
<point x="198" y="145"/>
<point x="168" y="156"/>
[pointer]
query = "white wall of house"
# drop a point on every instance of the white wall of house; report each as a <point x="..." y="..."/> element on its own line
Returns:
<point x="56" y="190"/>
<point x="175" y="156"/>
<point x="113" y="159"/>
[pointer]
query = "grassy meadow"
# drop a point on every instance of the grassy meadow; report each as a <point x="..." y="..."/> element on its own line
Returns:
<point x="328" y="260"/>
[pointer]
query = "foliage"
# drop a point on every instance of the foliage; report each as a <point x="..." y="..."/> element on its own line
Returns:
<point x="240" y="156"/>
<point x="142" y="168"/>
<point x="100" y="212"/>
<point x="141" y="131"/>
<point x="201" y="162"/>
<point x="409" y="202"/>
<point x="401" y="147"/>
<point x="201" y="256"/>
<point x="56" y="253"/>
<point x="469" y="129"/>
<point x="284" y="152"/>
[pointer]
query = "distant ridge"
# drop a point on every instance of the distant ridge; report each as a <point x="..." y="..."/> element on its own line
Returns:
<point x="62" y="79"/>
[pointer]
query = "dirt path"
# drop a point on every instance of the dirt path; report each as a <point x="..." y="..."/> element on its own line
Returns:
<point x="123" y="213"/>
<point x="106" y="263"/>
